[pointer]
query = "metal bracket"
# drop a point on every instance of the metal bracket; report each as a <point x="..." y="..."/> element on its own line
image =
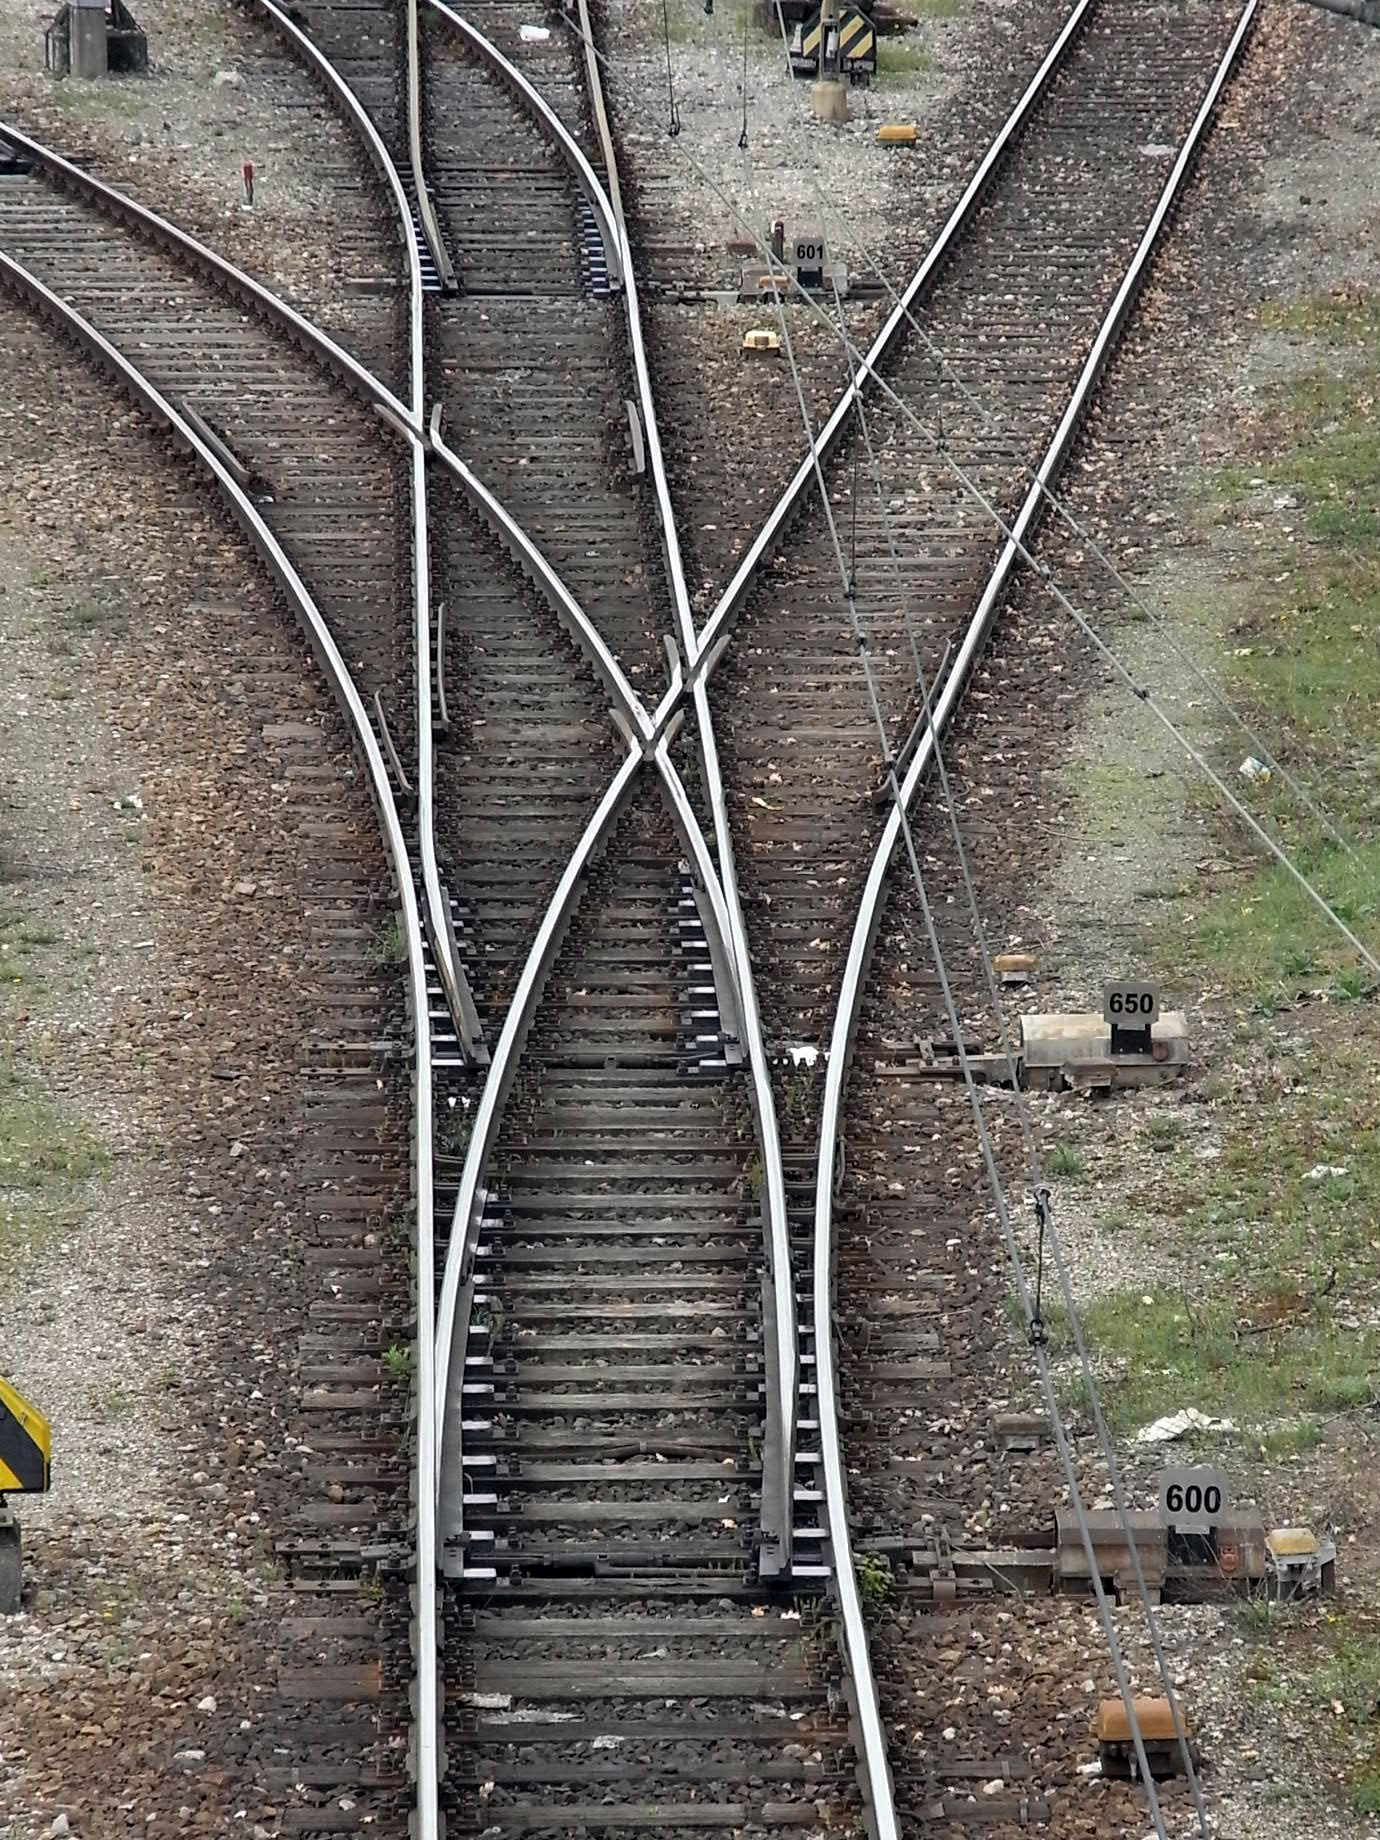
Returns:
<point x="471" y="1030"/>
<point x="639" y="446"/>
<point x="233" y="465"/>
<point x="778" y="1465"/>
<point x="724" y="992"/>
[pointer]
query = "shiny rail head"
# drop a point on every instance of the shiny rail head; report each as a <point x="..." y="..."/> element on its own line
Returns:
<point x="944" y="701"/>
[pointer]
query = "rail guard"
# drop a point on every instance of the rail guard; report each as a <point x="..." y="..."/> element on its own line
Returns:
<point x="426" y="211"/>
<point x="555" y="129"/>
<point x="337" y="672"/>
<point x="870" y="908"/>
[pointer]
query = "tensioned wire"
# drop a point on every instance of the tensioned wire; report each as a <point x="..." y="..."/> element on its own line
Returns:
<point x="1119" y="668"/>
<point x="979" y="1116"/>
<point x="999" y="1007"/>
<point x="1061" y="598"/>
<point x="993" y="991"/>
<point x="848" y="576"/>
<point x="948" y="372"/>
<point x="1038" y="1184"/>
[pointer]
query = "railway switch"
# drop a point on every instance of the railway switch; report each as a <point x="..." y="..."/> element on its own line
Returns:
<point x="806" y="260"/>
<point x="25" y="1456"/>
<point x="1109" y="1050"/>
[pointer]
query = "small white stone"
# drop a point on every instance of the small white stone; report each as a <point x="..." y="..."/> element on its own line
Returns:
<point x="208" y="1704"/>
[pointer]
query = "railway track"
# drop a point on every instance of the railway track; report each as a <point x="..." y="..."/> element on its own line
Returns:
<point x="608" y="1359"/>
<point x="327" y="512"/>
<point x="918" y="1319"/>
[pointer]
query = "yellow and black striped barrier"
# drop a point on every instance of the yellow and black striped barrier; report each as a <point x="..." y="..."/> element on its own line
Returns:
<point x="857" y="46"/>
<point x="25" y="1445"/>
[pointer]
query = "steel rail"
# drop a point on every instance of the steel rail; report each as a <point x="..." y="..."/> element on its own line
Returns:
<point x="554" y="128"/>
<point x="458" y="998"/>
<point x="426" y="1758"/>
<point x="778" y="1456"/>
<point x="731" y="600"/>
<point x="254" y="294"/>
<point x="868" y="919"/>
<point x="407" y="423"/>
<point x="426" y="211"/>
<point x="727" y="913"/>
<point x="648" y="732"/>
<point x="328" y="656"/>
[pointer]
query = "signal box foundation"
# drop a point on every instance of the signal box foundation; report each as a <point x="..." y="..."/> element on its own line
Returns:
<point x="1077" y="1050"/>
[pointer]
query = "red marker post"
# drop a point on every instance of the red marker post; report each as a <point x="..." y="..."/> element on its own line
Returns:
<point x="247" y="173"/>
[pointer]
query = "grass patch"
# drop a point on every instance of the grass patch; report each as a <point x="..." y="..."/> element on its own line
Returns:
<point x="115" y="96"/>
<point x="1064" y="1160"/>
<point x="1265" y="936"/>
<point x="86" y="616"/>
<point x="1305" y="649"/>
<point x="22" y="942"/>
<point x="1272" y="1319"/>
<point x="1164" y="1130"/>
<point x="1159" y="1352"/>
<point x="38" y="1147"/>
<point x="875" y="1581"/>
<point x="389" y="944"/>
<point x="896" y="58"/>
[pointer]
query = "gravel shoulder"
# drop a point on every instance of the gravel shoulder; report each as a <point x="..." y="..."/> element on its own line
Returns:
<point x="1216" y="1229"/>
<point x="161" y="991"/>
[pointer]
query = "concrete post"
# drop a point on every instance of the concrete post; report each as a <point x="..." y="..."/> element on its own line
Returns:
<point x="86" y="25"/>
<point x="828" y="97"/>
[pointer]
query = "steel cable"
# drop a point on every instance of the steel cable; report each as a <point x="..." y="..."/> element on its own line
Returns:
<point x="1119" y="668"/>
<point x="975" y="1103"/>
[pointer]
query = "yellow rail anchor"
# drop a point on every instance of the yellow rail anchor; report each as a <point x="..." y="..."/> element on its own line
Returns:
<point x="25" y="1455"/>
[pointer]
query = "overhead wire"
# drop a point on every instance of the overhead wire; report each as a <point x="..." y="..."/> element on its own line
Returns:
<point x="988" y="1153"/>
<point x="1100" y="646"/>
<point x="1039" y="1188"/>
<point x="849" y="578"/>
<point x="947" y="371"/>
<point x="1109" y="656"/>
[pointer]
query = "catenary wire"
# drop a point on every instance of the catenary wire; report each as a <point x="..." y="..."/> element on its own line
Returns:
<point x="1038" y="1185"/>
<point x="850" y="578"/>
<point x="1119" y="668"/>
<point x="988" y="1154"/>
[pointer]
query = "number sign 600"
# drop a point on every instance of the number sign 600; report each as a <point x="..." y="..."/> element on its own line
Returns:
<point x="1193" y="1500"/>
